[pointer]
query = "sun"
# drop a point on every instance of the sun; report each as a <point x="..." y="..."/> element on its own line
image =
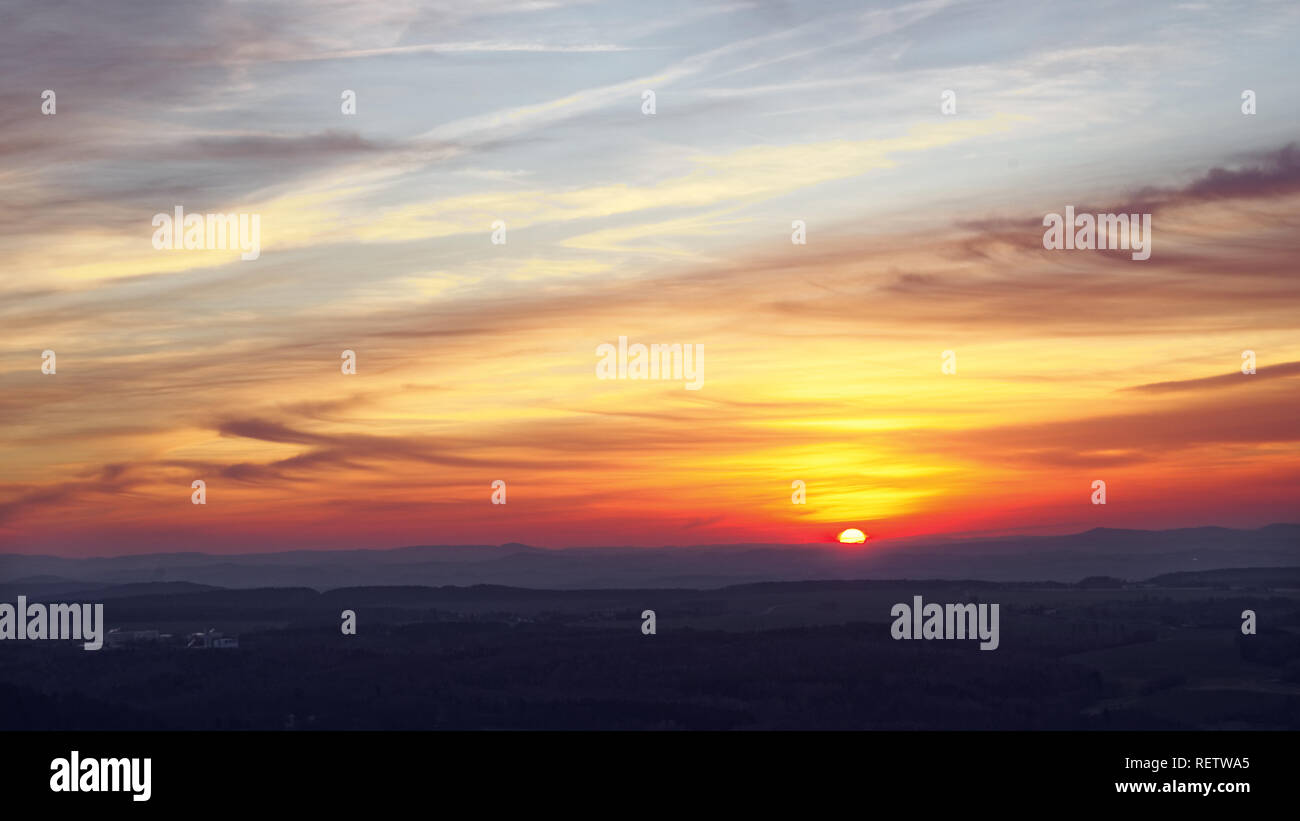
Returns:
<point x="852" y="536"/>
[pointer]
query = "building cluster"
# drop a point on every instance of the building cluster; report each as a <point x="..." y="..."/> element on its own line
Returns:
<point x="211" y="640"/>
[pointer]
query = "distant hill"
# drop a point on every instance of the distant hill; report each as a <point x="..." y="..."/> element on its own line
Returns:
<point x="35" y="587"/>
<point x="1102" y="552"/>
<point x="1263" y="577"/>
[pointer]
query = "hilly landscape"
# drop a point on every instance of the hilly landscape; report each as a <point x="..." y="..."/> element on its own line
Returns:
<point x="746" y="637"/>
<point x="1127" y="554"/>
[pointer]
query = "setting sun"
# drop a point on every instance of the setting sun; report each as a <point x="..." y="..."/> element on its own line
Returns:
<point x="852" y="536"/>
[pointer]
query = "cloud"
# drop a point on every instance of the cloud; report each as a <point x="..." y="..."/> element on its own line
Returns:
<point x="1281" y="370"/>
<point x="476" y="47"/>
<point x="476" y="360"/>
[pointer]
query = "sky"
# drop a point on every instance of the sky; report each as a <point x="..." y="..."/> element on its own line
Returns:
<point x="476" y="349"/>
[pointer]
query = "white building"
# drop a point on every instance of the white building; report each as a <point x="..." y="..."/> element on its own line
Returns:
<point x="118" y="637"/>
<point x="212" y="640"/>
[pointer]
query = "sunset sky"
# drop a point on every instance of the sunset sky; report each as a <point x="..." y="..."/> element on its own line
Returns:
<point x="476" y="362"/>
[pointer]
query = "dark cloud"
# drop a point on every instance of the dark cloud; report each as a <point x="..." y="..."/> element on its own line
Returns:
<point x="1234" y="380"/>
<point x="266" y="431"/>
<point x="1141" y="435"/>
<point x="1274" y="173"/>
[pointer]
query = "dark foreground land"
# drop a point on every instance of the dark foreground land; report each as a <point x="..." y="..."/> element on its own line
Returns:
<point x="1167" y="653"/>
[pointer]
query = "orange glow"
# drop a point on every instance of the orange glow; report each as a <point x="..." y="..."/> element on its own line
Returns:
<point x="780" y="445"/>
